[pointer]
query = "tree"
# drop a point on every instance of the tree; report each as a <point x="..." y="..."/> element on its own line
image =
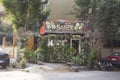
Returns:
<point x="5" y="26"/>
<point x="108" y="18"/>
<point x="102" y="15"/>
<point x="86" y="10"/>
<point x="26" y="14"/>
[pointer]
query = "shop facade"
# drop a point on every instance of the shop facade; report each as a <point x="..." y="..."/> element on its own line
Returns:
<point x="68" y="31"/>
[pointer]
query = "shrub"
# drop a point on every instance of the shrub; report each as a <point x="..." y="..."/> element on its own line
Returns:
<point x="92" y="57"/>
<point x="23" y="63"/>
<point x="14" y="65"/>
<point x="76" y="61"/>
<point x="30" y="55"/>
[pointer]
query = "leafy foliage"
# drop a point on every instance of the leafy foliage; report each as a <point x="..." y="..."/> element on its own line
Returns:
<point x="109" y="18"/>
<point x="92" y="58"/>
<point x="86" y="9"/>
<point x="28" y="14"/>
<point x="5" y="28"/>
<point x="103" y="15"/>
<point x="56" y="53"/>
<point x="30" y="55"/>
<point x="76" y="60"/>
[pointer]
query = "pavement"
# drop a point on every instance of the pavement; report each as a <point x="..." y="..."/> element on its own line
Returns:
<point x="31" y="72"/>
<point x="54" y="72"/>
<point x="49" y="67"/>
<point x="20" y="75"/>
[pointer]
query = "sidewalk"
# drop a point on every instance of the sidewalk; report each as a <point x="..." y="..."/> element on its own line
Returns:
<point x="48" y="67"/>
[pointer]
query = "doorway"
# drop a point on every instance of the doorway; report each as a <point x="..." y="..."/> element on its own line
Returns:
<point x="75" y="44"/>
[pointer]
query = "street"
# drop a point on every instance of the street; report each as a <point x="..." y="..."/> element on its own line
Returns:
<point x="37" y="73"/>
<point x="89" y="75"/>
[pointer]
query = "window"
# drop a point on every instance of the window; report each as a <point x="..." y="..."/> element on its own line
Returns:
<point x="116" y="43"/>
<point x="9" y="41"/>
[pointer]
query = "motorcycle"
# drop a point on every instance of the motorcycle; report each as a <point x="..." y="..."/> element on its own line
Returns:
<point x="105" y="65"/>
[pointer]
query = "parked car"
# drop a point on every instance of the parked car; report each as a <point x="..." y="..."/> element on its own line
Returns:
<point x="115" y="59"/>
<point x="4" y="59"/>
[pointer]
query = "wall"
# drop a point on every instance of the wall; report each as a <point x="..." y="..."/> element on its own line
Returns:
<point x="107" y="51"/>
<point x="12" y="52"/>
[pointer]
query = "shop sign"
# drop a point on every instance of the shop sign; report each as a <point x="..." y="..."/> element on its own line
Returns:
<point x="73" y="27"/>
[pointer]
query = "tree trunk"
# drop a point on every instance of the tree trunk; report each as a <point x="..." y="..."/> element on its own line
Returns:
<point x="99" y="53"/>
<point x="111" y="45"/>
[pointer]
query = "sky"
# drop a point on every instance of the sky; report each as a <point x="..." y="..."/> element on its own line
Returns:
<point x="1" y="6"/>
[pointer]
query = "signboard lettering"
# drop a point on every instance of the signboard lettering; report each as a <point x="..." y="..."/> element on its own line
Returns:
<point x="65" y="27"/>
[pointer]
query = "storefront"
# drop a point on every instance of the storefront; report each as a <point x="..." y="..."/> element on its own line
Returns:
<point x="64" y="28"/>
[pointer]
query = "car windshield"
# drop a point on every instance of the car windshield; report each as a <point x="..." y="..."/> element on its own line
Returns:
<point x="116" y="54"/>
